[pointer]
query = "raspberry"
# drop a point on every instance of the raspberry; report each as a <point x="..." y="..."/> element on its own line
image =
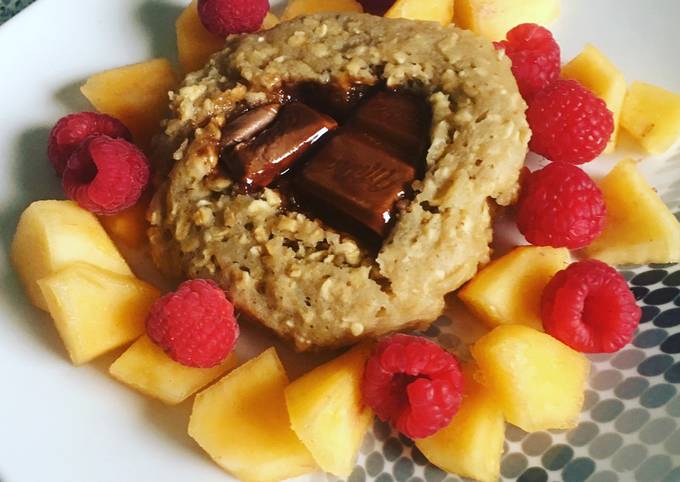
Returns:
<point x="589" y="307"/>
<point x="569" y="123"/>
<point x="535" y="57"/>
<point x="414" y="384"/>
<point x="225" y="17"/>
<point x="105" y="175"/>
<point x="376" y="7"/>
<point x="70" y="131"/>
<point x="560" y="206"/>
<point x="194" y="325"/>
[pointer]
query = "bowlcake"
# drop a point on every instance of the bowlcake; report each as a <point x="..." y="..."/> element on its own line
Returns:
<point x="309" y="282"/>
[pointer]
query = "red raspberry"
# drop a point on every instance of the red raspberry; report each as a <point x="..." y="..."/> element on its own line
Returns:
<point x="376" y="7"/>
<point x="225" y="17"/>
<point x="589" y="307"/>
<point x="560" y="206"/>
<point x="106" y="175"/>
<point x="413" y="383"/>
<point x="569" y="123"/>
<point x="70" y="131"/>
<point x="535" y="57"/>
<point x="194" y="325"/>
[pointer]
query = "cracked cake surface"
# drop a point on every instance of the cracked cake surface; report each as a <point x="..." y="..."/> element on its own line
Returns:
<point x="310" y="283"/>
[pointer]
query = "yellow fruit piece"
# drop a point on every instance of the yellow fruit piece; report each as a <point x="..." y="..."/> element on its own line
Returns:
<point x="270" y="21"/>
<point x="508" y="291"/>
<point x="296" y="8"/>
<point x="652" y="116"/>
<point x="537" y="380"/>
<point x="434" y="10"/>
<point x="128" y="226"/>
<point x="54" y="234"/>
<point x="327" y="413"/>
<point x="243" y="424"/>
<point x="194" y="43"/>
<point x="595" y="72"/>
<point x="96" y="310"/>
<point x="493" y="18"/>
<point x="146" y="368"/>
<point x="640" y="228"/>
<point x="472" y="444"/>
<point x="136" y="94"/>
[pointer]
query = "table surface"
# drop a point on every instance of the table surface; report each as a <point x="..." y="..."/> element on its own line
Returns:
<point x="9" y="8"/>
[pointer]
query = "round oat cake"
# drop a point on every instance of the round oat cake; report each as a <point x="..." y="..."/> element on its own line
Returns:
<point x="309" y="283"/>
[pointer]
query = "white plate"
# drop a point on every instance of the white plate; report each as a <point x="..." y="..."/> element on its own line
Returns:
<point x="62" y="424"/>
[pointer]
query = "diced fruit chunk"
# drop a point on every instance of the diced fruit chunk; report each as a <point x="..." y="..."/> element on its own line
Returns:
<point x="96" y="310"/>
<point x="146" y="368"/>
<point x="472" y="444"/>
<point x="537" y="380"/>
<point x="270" y="21"/>
<point x="639" y="228"/>
<point x="136" y="94"/>
<point x="243" y="424"/>
<point x="54" y="234"/>
<point x="194" y="43"/>
<point x="508" y="291"/>
<point x="327" y="412"/>
<point x="307" y="7"/>
<point x="596" y="72"/>
<point x="128" y="226"/>
<point x="434" y="10"/>
<point x="494" y="18"/>
<point x="652" y="116"/>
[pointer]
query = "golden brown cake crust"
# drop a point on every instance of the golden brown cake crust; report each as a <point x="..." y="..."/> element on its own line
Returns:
<point x="307" y="282"/>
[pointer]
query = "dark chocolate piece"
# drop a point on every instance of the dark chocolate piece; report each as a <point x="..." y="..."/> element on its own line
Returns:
<point x="248" y="125"/>
<point x="400" y="120"/>
<point x="336" y="100"/>
<point x="355" y="176"/>
<point x="258" y="162"/>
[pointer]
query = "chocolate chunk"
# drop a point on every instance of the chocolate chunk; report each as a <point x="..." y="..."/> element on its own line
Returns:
<point x="249" y="124"/>
<point x="353" y="175"/>
<point x="336" y="100"/>
<point x="401" y="120"/>
<point x="258" y="162"/>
